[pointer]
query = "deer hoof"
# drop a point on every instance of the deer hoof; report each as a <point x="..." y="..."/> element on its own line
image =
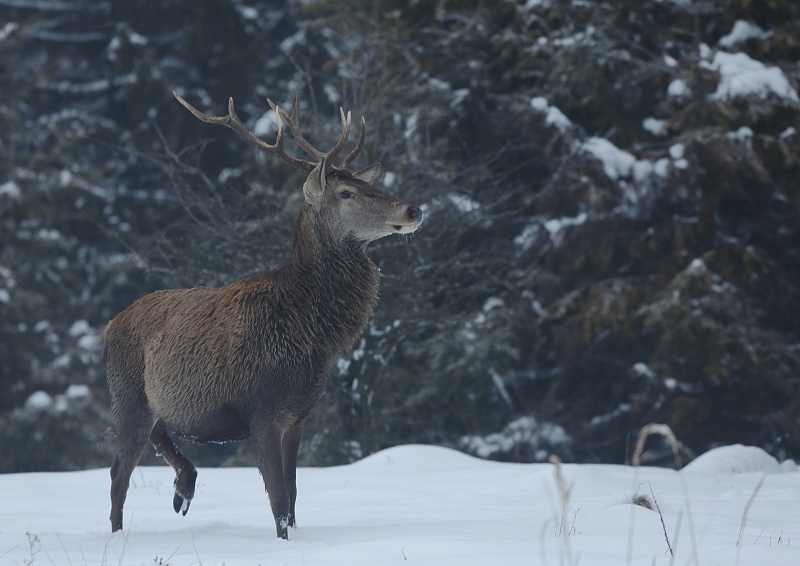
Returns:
<point x="282" y="524"/>
<point x="180" y="504"/>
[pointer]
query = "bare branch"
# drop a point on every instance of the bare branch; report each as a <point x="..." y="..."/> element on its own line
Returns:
<point x="54" y="6"/>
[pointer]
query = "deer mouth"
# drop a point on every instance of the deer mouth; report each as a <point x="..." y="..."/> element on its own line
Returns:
<point x="405" y="228"/>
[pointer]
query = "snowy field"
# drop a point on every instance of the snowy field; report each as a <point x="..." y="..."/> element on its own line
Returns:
<point x="420" y="505"/>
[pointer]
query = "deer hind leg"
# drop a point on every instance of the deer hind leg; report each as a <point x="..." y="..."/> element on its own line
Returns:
<point x="290" y="442"/>
<point x="186" y="474"/>
<point x="131" y="437"/>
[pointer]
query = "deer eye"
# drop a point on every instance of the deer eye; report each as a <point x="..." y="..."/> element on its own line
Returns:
<point x="345" y="194"/>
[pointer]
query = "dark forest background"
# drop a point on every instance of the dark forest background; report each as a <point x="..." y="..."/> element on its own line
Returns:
<point x="610" y="239"/>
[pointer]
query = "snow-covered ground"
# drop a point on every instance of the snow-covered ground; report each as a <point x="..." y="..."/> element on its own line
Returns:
<point x="420" y="505"/>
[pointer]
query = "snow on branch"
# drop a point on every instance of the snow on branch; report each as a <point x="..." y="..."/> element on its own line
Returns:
<point x="67" y="36"/>
<point x="53" y="6"/>
<point x="743" y="76"/>
<point x="69" y="87"/>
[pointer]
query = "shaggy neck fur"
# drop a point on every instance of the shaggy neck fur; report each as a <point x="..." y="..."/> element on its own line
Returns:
<point x="338" y="282"/>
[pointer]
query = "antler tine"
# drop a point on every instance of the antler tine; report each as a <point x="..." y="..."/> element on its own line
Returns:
<point x="337" y="149"/>
<point x="232" y="121"/>
<point x="294" y="125"/>
<point x="356" y="150"/>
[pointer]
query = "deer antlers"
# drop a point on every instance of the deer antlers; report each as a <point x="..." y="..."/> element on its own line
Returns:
<point x="233" y="122"/>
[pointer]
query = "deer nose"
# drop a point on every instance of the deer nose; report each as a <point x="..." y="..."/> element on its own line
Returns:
<point x="414" y="213"/>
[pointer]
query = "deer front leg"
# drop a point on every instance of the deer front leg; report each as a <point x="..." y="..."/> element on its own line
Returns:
<point x="266" y="440"/>
<point x="289" y="446"/>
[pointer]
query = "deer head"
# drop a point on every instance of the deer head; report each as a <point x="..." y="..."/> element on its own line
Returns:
<point x="346" y="205"/>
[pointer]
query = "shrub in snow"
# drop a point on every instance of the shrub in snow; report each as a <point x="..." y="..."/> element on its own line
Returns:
<point x="522" y="440"/>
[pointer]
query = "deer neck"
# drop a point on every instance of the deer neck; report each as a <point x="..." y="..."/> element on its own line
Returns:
<point x="337" y="278"/>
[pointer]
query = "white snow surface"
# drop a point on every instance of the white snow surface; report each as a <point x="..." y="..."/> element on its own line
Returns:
<point x="524" y="430"/>
<point x="462" y="203"/>
<point x="38" y="400"/>
<point x="556" y="226"/>
<point x="417" y="505"/>
<point x="267" y="124"/>
<point x="655" y="126"/>
<point x="553" y="116"/>
<point x="678" y="89"/>
<point x="616" y="162"/>
<point x="10" y="189"/>
<point x="742" y="75"/>
<point x="76" y="391"/>
<point x="741" y="32"/>
<point x="738" y="459"/>
<point x="7" y="30"/>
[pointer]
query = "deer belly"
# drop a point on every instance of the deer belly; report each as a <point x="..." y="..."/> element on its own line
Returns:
<point x="221" y="424"/>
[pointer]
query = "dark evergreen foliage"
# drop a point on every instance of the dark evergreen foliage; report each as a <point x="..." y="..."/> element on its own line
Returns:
<point x="545" y="283"/>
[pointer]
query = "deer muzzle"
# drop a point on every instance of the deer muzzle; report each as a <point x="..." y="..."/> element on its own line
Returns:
<point x="412" y="219"/>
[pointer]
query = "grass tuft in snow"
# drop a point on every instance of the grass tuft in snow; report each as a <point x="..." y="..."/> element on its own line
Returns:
<point x="666" y="432"/>
<point x="743" y="522"/>
<point x="564" y="528"/>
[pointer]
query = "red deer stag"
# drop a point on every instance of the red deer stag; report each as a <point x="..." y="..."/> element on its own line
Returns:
<point x="251" y="359"/>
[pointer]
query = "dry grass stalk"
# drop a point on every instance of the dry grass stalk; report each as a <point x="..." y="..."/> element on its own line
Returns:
<point x="662" y="430"/>
<point x="666" y="432"/>
<point x="564" y="492"/>
<point x="744" y="517"/>
<point x="564" y="489"/>
<point x="661" y="516"/>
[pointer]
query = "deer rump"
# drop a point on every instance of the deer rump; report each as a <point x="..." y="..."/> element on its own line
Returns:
<point x="251" y="358"/>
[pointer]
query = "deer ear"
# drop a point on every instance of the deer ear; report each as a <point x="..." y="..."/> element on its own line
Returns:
<point x="368" y="174"/>
<point x="314" y="187"/>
